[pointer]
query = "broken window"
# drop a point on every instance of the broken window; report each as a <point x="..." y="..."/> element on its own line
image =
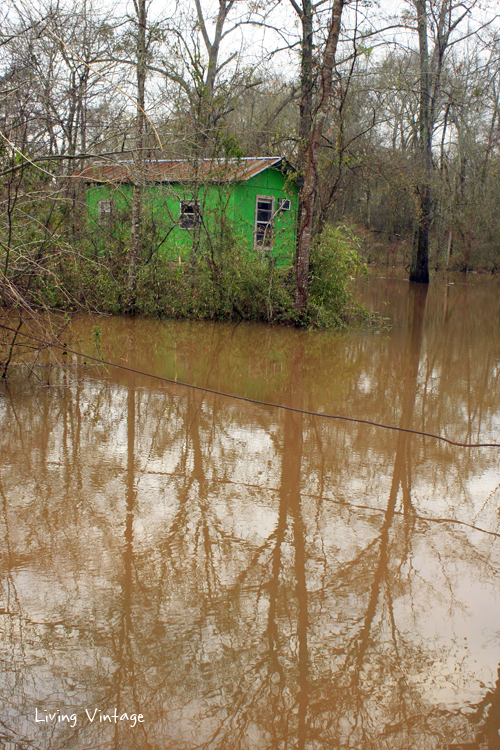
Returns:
<point x="264" y="219"/>
<point x="104" y="211"/>
<point x="190" y="215"/>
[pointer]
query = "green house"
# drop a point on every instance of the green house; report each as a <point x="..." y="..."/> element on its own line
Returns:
<point x="187" y="202"/>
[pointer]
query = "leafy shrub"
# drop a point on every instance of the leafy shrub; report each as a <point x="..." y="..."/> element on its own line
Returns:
<point x="335" y="259"/>
<point x="222" y="279"/>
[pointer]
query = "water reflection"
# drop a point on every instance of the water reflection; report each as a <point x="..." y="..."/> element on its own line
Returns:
<point x="250" y="578"/>
<point x="487" y="715"/>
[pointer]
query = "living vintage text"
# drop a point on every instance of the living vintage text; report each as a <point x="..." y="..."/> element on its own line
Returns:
<point x="94" y="715"/>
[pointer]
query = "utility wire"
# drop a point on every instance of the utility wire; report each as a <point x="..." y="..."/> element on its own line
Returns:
<point x="342" y="417"/>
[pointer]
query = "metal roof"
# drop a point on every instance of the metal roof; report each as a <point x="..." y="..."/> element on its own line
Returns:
<point x="182" y="170"/>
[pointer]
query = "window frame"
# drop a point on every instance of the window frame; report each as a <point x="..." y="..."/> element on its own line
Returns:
<point x="104" y="215"/>
<point x="268" y="234"/>
<point x="195" y="221"/>
<point x="284" y="204"/>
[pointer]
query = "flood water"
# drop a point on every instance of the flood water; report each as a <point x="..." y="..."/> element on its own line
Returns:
<point x="248" y="577"/>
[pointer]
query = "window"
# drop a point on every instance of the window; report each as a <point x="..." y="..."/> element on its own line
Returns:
<point x="264" y="219"/>
<point x="104" y="211"/>
<point x="190" y="215"/>
<point x="284" y="204"/>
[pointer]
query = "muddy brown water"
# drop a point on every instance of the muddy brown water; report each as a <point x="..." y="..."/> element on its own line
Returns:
<point x="181" y="570"/>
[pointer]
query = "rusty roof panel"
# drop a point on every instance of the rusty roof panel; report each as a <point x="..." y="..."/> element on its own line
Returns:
<point x="180" y="170"/>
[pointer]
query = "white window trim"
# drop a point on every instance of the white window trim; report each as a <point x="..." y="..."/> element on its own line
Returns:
<point x="273" y="202"/>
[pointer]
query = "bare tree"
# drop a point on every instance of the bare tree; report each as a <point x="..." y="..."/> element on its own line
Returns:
<point x="312" y="142"/>
<point x="141" y="72"/>
<point x="440" y="19"/>
<point x="205" y="76"/>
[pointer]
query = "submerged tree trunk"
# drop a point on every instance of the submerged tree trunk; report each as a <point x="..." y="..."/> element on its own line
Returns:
<point x="308" y="192"/>
<point x="138" y="171"/>
<point x="419" y="271"/>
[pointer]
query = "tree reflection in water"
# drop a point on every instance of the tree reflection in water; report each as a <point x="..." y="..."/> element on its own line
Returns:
<point x="243" y="577"/>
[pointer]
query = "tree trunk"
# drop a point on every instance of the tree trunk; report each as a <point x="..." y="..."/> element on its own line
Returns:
<point x="306" y="82"/>
<point x="308" y="192"/>
<point x="420" y="258"/>
<point x="207" y="119"/>
<point x="135" y="233"/>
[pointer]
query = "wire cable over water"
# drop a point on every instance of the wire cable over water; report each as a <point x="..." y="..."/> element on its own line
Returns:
<point x="269" y="404"/>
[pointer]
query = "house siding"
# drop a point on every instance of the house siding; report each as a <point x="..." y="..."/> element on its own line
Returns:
<point x="236" y="201"/>
<point x="273" y="184"/>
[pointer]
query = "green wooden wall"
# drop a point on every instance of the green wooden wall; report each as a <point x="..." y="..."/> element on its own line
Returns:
<point x="234" y="201"/>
